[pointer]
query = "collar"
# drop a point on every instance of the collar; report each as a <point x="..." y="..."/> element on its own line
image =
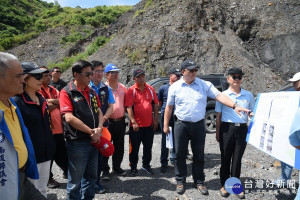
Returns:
<point x="192" y="83"/>
<point x="136" y="86"/>
<point x="74" y="87"/>
<point x="230" y="92"/>
<point x="4" y="108"/>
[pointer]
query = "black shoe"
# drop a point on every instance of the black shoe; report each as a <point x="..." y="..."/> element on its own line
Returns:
<point x="52" y="184"/>
<point x="201" y="188"/>
<point x="105" y="176"/>
<point x="241" y="195"/>
<point x="163" y="169"/>
<point x="223" y="193"/>
<point x="120" y="172"/>
<point x="65" y="175"/>
<point x="180" y="188"/>
<point x="148" y="169"/>
<point x="133" y="172"/>
<point x="100" y="189"/>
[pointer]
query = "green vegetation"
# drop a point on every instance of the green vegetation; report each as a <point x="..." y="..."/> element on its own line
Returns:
<point x="22" y="20"/>
<point x="90" y="49"/>
<point x="138" y="12"/>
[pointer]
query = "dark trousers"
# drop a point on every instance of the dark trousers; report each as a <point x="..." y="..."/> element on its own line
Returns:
<point x="60" y="156"/>
<point x="164" y="154"/>
<point x="232" y="146"/>
<point x="144" y="135"/>
<point x="117" y="131"/>
<point x="185" y="131"/>
<point x="28" y="190"/>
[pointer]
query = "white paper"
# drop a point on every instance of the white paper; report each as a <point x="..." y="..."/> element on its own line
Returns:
<point x="169" y="139"/>
<point x="272" y="123"/>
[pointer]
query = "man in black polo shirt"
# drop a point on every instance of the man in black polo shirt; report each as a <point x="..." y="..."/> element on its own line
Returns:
<point x="55" y="79"/>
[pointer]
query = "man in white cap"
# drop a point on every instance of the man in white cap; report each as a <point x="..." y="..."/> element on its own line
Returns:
<point x="286" y="170"/>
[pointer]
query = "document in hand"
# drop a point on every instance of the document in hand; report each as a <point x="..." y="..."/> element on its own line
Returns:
<point x="169" y="139"/>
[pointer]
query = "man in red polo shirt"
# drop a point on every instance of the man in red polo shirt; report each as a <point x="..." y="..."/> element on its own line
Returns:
<point x="141" y="101"/>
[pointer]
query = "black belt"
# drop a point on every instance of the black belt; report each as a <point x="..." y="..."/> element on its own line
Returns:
<point x="176" y="119"/>
<point x="235" y="124"/>
<point x="116" y="119"/>
<point x="22" y="169"/>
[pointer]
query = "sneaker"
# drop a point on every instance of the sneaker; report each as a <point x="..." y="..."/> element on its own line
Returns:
<point x="133" y="172"/>
<point x="148" y="169"/>
<point x="120" y="172"/>
<point x="105" y="176"/>
<point x="99" y="189"/>
<point x="52" y="184"/>
<point x="164" y="169"/>
<point x="180" y="188"/>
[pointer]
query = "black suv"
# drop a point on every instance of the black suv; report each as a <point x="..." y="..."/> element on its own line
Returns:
<point x="218" y="80"/>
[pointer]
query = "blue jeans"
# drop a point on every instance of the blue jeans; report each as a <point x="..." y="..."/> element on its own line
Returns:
<point x="164" y="150"/>
<point x="82" y="172"/>
<point x="185" y="131"/>
<point x="286" y="171"/>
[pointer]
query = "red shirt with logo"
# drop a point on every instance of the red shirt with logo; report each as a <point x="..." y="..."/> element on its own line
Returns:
<point x="66" y="105"/>
<point x="142" y="104"/>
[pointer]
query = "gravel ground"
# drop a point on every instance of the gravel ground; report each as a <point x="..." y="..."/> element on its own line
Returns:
<point x="256" y="167"/>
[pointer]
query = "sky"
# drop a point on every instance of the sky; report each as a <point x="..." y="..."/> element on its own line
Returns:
<point x="93" y="3"/>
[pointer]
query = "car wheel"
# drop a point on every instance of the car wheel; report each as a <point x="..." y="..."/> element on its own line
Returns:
<point x="210" y="121"/>
<point x="127" y="123"/>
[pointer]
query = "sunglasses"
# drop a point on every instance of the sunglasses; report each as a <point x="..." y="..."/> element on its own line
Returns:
<point x="37" y="76"/>
<point x="193" y="70"/>
<point x="57" y="71"/>
<point x="237" y="77"/>
<point x="88" y="74"/>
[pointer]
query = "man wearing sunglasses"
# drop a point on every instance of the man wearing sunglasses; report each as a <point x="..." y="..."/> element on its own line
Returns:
<point x="83" y="122"/>
<point x="174" y="75"/>
<point x="55" y="79"/>
<point x="231" y="129"/>
<point x="188" y="97"/>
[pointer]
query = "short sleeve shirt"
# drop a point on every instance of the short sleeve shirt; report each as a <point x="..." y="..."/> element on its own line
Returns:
<point x="65" y="102"/>
<point x="190" y="100"/>
<point x="119" y="96"/>
<point x="142" y="103"/>
<point x="244" y="99"/>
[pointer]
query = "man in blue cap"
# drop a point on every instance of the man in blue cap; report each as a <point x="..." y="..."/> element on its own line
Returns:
<point x="117" y="124"/>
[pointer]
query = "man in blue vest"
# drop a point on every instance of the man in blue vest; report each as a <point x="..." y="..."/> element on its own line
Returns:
<point x="107" y="100"/>
<point x="17" y="158"/>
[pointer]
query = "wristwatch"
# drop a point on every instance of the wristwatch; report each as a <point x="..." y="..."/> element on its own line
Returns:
<point x="234" y="106"/>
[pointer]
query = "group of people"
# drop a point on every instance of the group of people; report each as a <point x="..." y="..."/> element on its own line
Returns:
<point x="43" y="119"/>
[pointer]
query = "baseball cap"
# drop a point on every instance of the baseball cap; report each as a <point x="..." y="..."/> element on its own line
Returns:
<point x="235" y="70"/>
<point x="138" y="72"/>
<point x="174" y="70"/>
<point x="32" y="68"/>
<point x="105" y="147"/>
<point x="188" y="64"/>
<point x="295" y="78"/>
<point x="111" y="68"/>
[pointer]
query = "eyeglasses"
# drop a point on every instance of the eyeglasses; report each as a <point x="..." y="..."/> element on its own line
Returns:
<point x="237" y="77"/>
<point x="37" y="76"/>
<point x="98" y="71"/>
<point x="88" y="74"/>
<point x="57" y="71"/>
<point x="193" y="70"/>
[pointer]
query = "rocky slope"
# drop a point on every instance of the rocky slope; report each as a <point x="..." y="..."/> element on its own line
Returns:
<point x="261" y="37"/>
